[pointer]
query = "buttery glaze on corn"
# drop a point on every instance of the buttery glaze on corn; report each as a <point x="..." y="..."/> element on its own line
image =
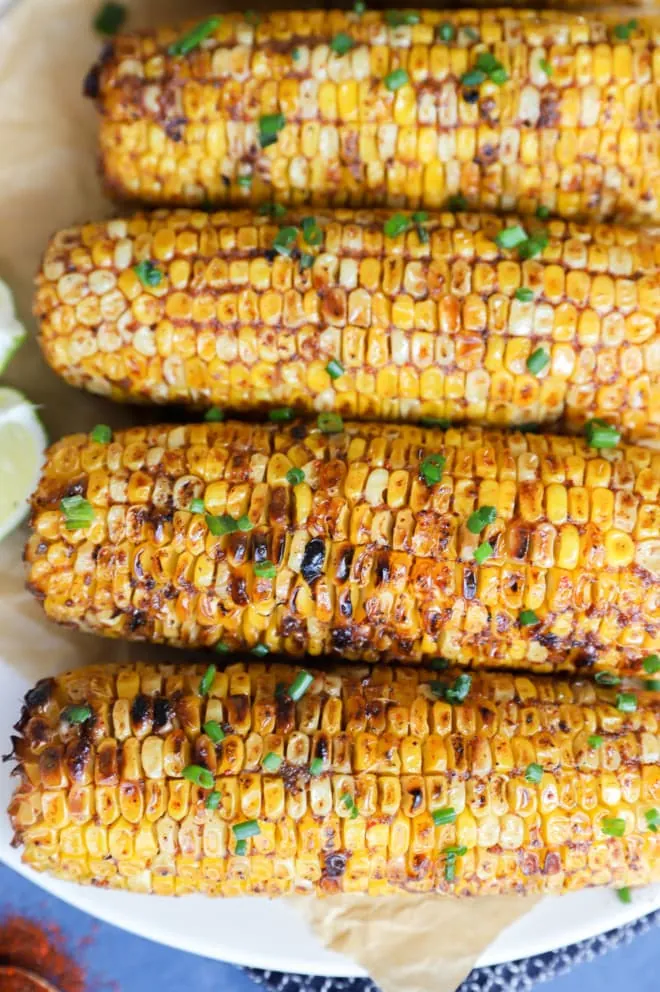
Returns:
<point x="370" y="562"/>
<point x="105" y="802"/>
<point x="582" y="141"/>
<point x="420" y="329"/>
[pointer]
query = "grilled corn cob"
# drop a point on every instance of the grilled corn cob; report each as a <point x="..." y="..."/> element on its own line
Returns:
<point x="512" y="110"/>
<point x="373" y="314"/>
<point x="148" y="778"/>
<point x="372" y="542"/>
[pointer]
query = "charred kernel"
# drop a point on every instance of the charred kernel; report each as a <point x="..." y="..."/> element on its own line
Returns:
<point x="311" y="567"/>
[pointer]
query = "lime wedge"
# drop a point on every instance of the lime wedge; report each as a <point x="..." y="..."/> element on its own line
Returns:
<point x="23" y="442"/>
<point x="12" y="332"/>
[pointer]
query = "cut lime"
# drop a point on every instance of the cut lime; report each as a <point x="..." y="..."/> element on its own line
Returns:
<point x="12" y="332"/>
<point x="23" y="442"/>
<point x="12" y="337"/>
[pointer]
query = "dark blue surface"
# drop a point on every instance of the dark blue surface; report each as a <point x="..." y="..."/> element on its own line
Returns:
<point x="137" y="965"/>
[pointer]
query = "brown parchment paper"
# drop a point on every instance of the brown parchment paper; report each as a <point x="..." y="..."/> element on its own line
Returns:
<point x="48" y="180"/>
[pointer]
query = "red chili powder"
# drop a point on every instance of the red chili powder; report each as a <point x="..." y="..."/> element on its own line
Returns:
<point x="41" y="949"/>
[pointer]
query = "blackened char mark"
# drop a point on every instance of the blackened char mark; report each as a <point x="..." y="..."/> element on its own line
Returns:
<point x="334" y="865"/>
<point x="163" y="714"/>
<point x="313" y="560"/>
<point x="344" y="563"/>
<point x="91" y="82"/>
<point x="40" y="694"/>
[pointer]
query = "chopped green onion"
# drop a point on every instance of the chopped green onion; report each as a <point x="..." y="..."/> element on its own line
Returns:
<point x="481" y="518"/>
<point x="458" y="850"/>
<point x="613" y="826"/>
<point x="312" y="233"/>
<point x="440" y="422"/>
<point x="316" y="766"/>
<point x="300" y="685"/>
<point x="249" y="828"/>
<point x="330" y="423"/>
<point x="624" y="894"/>
<point x="542" y="212"/>
<point x="102" y="434"/>
<point x="244" y="524"/>
<point x="439" y="664"/>
<point x="538" y="360"/>
<point x="342" y="43"/>
<point x="213" y="730"/>
<point x="600" y="434"/>
<point x="450" y="868"/>
<point x="528" y="618"/>
<point x="487" y="62"/>
<point x="446" y="31"/>
<point x="651" y="664"/>
<point x="483" y="552"/>
<point x="284" y="240"/>
<point x="252" y="17"/>
<point x="265" y="569"/>
<point x="334" y="369"/>
<point x="652" y="817"/>
<point x="272" y="761"/>
<point x="241" y="848"/>
<point x="457" y="202"/>
<point x="195" y="37"/>
<point x="420" y="217"/>
<point x="281" y="414"/>
<point x="221" y="525"/>
<point x="76" y="714"/>
<point x="295" y="476"/>
<point x="213" y="799"/>
<point x="396" y="224"/>
<point x="652" y="685"/>
<point x="272" y="210"/>
<point x="459" y="691"/>
<point x="359" y="7"/>
<point x="626" y="702"/>
<point x="199" y="776"/>
<point x="148" y="273"/>
<point x="607" y="678"/>
<point x="534" y="773"/>
<point x="473" y="77"/>
<point x="511" y="237"/>
<point x="197" y="506"/>
<point x="270" y="126"/>
<point x="499" y="76"/>
<point x="214" y="415"/>
<point x="349" y="803"/>
<point x="295" y="54"/>
<point x="110" y="18"/>
<point x="396" y="79"/>
<point x="245" y="182"/>
<point x="443" y="816"/>
<point x="534" y="245"/>
<point x="260" y="650"/>
<point x="623" y="31"/>
<point x="524" y="294"/>
<point x="306" y="261"/>
<point x="78" y="512"/>
<point x="545" y="67"/>
<point x="432" y="468"/>
<point x="222" y="648"/>
<point x="595" y="741"/>
<point x="471" y="34"/>
<point x="397" y="18"/>
<point x="207" y="680"/>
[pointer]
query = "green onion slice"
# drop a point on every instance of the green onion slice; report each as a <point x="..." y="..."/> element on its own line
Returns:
<point x="196" y="505"/>
<point x="397" y="224"/>
<point x="284" y="240"/>
<point x="316" y="766"/>
<point x="444" y="815"/>
<point x="300" y="685"/>
<point x="260" y="650"/>
<point x="334" y="369"/>
<point x="524" y="294"/>
<point x="78" y="512"/>
<point x="330" y="423"/>
<point x="651" y="664"/>
<point x="265" y="569"/>
<point x="431" y="469"/>
<point x="272" y="761"/>
<point x="195" y="37"/>
<point x="483" y="552"/>
<point x="148" y="273"/>
<point x="396" y="79"/>
<point x="76" y="714"/>
<point x="528" y="618"/>
<point x="281" y="414"/>
<point x="221" y="525"/>
<point x="199" y="776"/>
<point x="511" y="237"/>
<point x="213" y="730"/>
<point x="534" y="773"/>
<point x="270" y="126"/>
<point x="342" y="43"/>
<point x="249" y="828"/>
<point x="538" y="360"/>
<point x="213" y="799"/>
<point x="207" y="680"/>
<point x="295" y="476"/>
<point x="110" y="18"/>
<point x="595" y="741"/>
<point x="626" y="702"/>
<point x="214" y="415"/>
<point x="613" y="826"/>
<point x="607" y="678"/>
<point x="652" y="819"/>
<point x="481" y="518"/>
<point x="102" y="434"/>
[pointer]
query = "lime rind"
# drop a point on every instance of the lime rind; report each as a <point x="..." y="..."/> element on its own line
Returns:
<point x="23" y="443"/>
<point x="12" y="336"/>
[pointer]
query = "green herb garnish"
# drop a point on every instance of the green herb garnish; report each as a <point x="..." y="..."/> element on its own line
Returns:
<point x="281" y="414"/>
<point x="534" y="773"/>
<point x="334" y="369"/>
<point x="613" y="826"/>
<point x="148" y="273"/>
<point x="524" y="294"/>
<point x="213" y="730"/>
<point x="78" y="512"/>
<point x="626" y="702"/>
<point x="295" y="476"/>
<point x="195" y="37"/>
<point x="76" y="714"/>
<point x="300" y="685"/>
<point x="102" y="434"/>
<point x="110" y="18"/>
<point x="396" y="79"/>
<point x="528" y="618"/>
<point x="330" y="423"/>
<point x="249" y="828"/>
<point x="600" y="434"/>
<point x="538" y="360"/>
<point x="443" y="816"/>
<point x="481" y="518"/>
<point x="595" y="741"/>
<point x="270" y="126"/>
<point x="483" y="552"/>
<point x="199" y="776"/>
<point x="607" y="678"/>
<point x="342" y="43"/>
<point x="265" y="569"/>
<point x="431" y="469"/>
<point x="272" y="761"/>
<point x="207" y="680"/>
<point x="214" y="415"/>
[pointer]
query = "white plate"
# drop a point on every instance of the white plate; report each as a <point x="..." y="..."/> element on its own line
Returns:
<point x="226" y="929"/>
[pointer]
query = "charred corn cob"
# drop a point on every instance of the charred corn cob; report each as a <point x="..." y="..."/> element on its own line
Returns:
<point x="177" y="779"/>
<point x="511" y="110"/>
<point x="372" y="314"/>
<point x="371" y="541"/>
